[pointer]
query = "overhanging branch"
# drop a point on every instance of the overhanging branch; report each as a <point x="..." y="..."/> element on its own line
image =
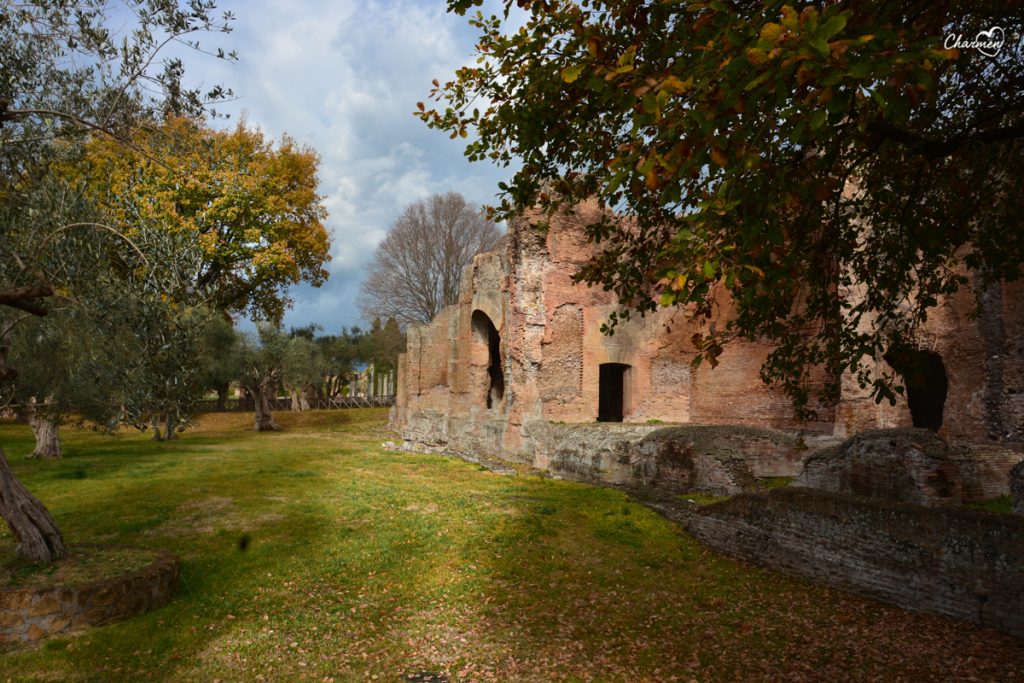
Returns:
<point x="26" y="298"/>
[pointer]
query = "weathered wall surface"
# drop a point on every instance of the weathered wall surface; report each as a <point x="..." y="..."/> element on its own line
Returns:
<point x="912" y="466"/>
<point x="1017" y="488"/>
<point x="982" y="349"/>
<point x="551" y="350"/>
<point x="710" y="459"/>
<point x="958" y="563"/>
<point x="31" y="614"/>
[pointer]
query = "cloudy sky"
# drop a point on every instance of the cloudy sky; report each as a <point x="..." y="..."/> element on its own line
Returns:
<point x="344" y="77"/>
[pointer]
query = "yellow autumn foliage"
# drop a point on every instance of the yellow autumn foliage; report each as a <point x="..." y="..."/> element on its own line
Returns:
<point x="253" y="206"/>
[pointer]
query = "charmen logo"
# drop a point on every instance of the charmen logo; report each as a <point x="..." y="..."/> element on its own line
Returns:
<point x="987" y="42"/>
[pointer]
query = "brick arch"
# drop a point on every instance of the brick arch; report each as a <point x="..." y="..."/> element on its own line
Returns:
<point x="489" y="305"/>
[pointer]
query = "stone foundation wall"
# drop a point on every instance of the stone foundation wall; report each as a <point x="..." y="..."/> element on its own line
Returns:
<point x="31" y="614"/>
<point x="958" y="563"/>
<point x="1017" y="488"/>
<point x="718" y="459"/>
<point x="912" y="466"/>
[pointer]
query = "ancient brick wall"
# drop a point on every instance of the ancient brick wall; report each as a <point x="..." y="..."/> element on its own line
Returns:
<point x="962" y="564"/>
<point x="982" y="350"/>
<point x="552" y="350"/>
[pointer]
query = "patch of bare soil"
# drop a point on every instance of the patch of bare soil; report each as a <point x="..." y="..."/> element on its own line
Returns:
<point x="209" y="515"/>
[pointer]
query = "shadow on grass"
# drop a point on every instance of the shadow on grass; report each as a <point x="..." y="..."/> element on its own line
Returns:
<point x="315" y="553"/>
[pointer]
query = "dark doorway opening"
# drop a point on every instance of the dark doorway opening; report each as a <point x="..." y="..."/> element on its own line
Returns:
<point x="924" y="375"/>
<point x="485" y="330"/>
<point x="496" y="390"/>
<point x="611" y="392"/>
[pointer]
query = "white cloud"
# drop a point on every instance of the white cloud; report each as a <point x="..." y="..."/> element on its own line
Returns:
<point x="344" y="77"/>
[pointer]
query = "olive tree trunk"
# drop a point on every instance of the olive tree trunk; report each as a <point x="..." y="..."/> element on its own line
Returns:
<point x="299" y="397"/>
<point x="158" y="432"/>
<point x="222" y="396"/>
<point x="39" y="539"/>
<point x="264" y="419"/>
<point x="164" y="427"/>
<point x="46" y="429"/>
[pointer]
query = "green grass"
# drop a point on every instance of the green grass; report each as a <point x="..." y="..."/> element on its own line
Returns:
<point x="769" y="483"/>
<point x="1001" y="504"/>
<point x="313" y="554"/>
<point x="703" y="498"/>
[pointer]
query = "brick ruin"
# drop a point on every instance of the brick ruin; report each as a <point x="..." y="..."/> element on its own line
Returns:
<point x="519" y="370"/>
<point x="522" y="350"/>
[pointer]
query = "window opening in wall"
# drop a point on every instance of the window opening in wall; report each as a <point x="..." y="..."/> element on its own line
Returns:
<point x="924" y="375"/>
<point x="611" y="392"/>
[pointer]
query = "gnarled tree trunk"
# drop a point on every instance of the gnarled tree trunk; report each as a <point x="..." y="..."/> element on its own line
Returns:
<point x="158" y="432"/>
<point x="260" y="391"/>
<point x="39" y="539"/>
<point x="300" y="397"/>
<point x="46" y="430"/>
<point x="164" y="427"/>
<point x="222" y="396"/>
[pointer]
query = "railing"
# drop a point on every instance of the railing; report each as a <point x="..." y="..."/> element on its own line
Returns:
<point x="211" y="405"/>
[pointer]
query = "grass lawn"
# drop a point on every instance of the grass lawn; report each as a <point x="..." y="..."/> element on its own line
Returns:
<point x="363" y="564"/>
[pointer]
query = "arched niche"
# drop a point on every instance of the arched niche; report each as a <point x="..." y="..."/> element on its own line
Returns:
<point x="490" y="305"/>
<point x="488" y="375"/>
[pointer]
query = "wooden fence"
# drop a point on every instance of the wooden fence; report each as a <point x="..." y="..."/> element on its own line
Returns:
<point x="210" y="405"/>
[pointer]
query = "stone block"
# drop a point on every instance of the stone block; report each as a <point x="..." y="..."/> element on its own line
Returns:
<point x="1017" y="488"/>
<point x="901" y="465"/>
<point x="10" y="618"/>
<point x="16" y="599"/>
<point x="715" y="459"/>
<point x="45" y="604"/>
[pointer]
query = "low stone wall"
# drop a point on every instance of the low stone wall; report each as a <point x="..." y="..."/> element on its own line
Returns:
<point x="963" y="564"/>
<point x="1017" y="488"/>
<point x="30" y="614"/>
<point x="715" y="459"/>
<point x="711" y="458"/>
<point x="913" y="466"/>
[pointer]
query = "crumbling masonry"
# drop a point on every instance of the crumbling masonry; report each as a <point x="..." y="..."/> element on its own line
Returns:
<point x="522" y="351"/>
<point x="519" y="370"/>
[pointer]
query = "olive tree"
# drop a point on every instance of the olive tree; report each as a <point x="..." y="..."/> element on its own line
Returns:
<point x="68" y="73"/>
<point x="259" y="366"/>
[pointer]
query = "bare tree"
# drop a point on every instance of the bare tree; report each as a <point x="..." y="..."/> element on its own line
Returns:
<point x="416" y="270"/>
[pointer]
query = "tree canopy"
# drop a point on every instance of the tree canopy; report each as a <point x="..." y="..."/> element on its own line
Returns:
<point x="70" y="71"/>
<point x="833" y="168"/>
<point x="417" y="268"/>
<point x="254" y="208"/>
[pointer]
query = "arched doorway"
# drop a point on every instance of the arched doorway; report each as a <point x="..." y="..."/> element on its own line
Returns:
<point x="611" y="393"/>
<point x="924" y="375"/>
<point x="486" y="334"/>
